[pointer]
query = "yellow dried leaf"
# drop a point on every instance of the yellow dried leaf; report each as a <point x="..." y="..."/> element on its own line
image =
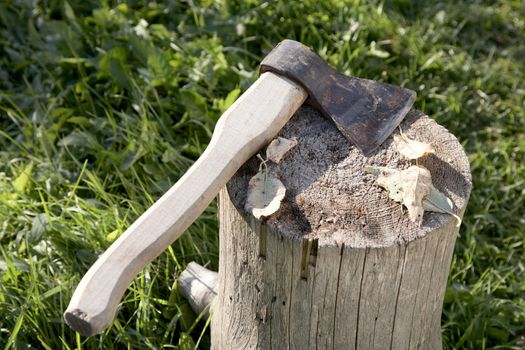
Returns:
<point x="265" y="193"/>
<point x="411" y="149"/>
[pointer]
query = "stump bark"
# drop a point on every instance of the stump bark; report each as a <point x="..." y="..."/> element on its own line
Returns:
<point x="340" y="265"/>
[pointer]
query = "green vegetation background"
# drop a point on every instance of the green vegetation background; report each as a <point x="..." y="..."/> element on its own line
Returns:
<point x="104" y="104"/>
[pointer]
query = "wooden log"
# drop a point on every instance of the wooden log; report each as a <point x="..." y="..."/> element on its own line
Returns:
<point x="199" y="286"/>
<point x="340" y="265"/>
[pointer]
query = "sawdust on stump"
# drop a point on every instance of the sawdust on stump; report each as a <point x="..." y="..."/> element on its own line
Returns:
<point x="329" y="197"/>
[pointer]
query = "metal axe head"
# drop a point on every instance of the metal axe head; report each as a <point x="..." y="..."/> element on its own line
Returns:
<point x="365" y="111"/>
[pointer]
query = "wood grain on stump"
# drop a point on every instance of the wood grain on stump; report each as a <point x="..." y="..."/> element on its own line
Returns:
<point x="340" y="265"/>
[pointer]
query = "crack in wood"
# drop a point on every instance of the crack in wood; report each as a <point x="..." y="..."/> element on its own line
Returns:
<point x="263" y="237"/>
<point x="341" y="254"/>
<point x="398" y="293"/>
<point x="359" y="299"/>
<point x="309" y="256"/>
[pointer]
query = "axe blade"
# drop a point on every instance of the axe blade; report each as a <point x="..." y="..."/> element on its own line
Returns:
<point x="365" y="111"/>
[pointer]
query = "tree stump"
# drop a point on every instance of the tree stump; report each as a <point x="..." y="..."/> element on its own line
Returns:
<point x="340" y="265"/>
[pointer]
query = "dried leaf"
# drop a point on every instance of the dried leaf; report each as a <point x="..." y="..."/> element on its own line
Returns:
<point x="411" y="149"/>
<point x="265" y="193"/>
<point x="390" y="180"/>
<point x="409" y="187"/>
<point x="413" y="188"/>
<point x="436" y="201"/>
<point x="279" y="147"/>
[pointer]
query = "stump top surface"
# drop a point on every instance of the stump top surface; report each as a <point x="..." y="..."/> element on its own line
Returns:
<point x="331" y="198"/>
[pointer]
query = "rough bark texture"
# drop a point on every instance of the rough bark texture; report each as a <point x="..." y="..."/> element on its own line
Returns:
<point x="340" y="265"/>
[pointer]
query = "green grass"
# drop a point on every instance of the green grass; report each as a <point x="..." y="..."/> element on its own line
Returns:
<point x="103" y="105"/>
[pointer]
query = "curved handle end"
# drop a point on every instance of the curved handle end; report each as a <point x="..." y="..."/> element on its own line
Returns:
<point x="87" y="323"/>
<point x="79" y="322"/>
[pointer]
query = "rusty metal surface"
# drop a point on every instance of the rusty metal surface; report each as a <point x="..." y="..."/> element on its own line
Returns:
<point x="365" y="111"/>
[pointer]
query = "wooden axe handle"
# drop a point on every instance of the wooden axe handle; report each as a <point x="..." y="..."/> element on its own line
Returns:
<point x="250" y="123"/>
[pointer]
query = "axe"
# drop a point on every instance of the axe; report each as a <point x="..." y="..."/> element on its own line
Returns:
<point x="365" y="111"/>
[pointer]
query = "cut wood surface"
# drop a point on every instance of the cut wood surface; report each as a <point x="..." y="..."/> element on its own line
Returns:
<point x="252" y="121"/>
<point x="340" y="265"/>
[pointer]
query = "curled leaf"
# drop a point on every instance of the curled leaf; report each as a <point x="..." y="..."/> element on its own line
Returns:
<point x="411" y="149"/>
<point x="279" y="147"/>
<point x="265" y="193"/>
<point x="436" y="201"/>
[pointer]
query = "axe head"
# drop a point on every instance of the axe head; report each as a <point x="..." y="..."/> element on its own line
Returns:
<point x="365" y="111"/>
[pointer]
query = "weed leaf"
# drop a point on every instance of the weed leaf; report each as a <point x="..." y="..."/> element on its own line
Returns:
<point x="225" y="103"/>
<point x="21" y="182"/>
<point x="39" y="227"/>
